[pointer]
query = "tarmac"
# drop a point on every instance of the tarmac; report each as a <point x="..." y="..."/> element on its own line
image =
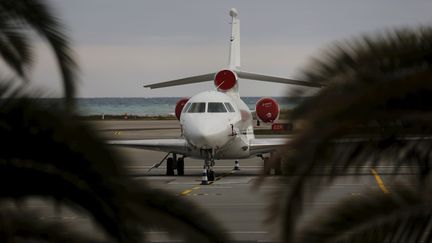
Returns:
<point x="235" y="199"/>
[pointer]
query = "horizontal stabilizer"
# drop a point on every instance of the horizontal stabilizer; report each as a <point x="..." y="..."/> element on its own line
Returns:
<point x="240" y="74"/>
<point x="188" y="80"/>
<point x="266" y="78"/>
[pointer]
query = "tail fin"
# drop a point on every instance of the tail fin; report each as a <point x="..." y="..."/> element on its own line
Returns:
<point x="234" y="64"/>
<point x="234" y="58"/>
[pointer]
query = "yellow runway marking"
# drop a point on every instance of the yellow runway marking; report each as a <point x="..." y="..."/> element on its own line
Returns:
<point x="185" y="193"/>
<point x="380" y="182"/>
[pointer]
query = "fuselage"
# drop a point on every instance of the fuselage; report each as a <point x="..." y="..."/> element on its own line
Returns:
<point x="219" y="122"/>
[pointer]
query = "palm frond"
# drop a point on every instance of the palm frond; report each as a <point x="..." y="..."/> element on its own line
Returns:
<point x="375" y="111"/>
<point x="15" y="48"/>
<point x="386" y="54"/>
<point x="46" y="152"/>
<point x="37" y="15"/>
<point x="25" y="226"/>
<point x="403" y="216"/>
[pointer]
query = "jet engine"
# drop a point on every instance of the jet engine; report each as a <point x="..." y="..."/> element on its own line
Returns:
<point x="225" y="80"/>
<point x="267" y="110"/>
<point x="179" y="107"/>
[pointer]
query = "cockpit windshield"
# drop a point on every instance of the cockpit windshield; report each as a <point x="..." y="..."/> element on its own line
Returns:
<point x="216" y="107"/>
<point x="229" y="107"/>
<point x="186" y="107"/>
<point x="198" y="107"/>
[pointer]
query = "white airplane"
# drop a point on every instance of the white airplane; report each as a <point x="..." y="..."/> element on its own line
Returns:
<point x="218" y="124"/>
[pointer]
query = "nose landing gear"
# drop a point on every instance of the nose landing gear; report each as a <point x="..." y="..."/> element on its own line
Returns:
<point x="208" y="167"/>
<point x="236" y="165"/>
<point x="211" y="175"/>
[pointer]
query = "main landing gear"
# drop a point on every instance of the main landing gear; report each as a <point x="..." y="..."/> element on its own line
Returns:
<point x="174" y="163"/>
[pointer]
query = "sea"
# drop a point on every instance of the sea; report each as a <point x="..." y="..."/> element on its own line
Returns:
<point x="160" y="106"/>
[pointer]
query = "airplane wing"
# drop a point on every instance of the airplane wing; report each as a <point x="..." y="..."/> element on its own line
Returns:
<point x="178" y="146"/>
<point x="266" y="145"/>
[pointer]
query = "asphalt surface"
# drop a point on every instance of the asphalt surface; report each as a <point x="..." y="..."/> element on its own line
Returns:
<point x="235" y="199"/>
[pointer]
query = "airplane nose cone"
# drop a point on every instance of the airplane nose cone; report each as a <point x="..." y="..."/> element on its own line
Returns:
<point x="207" y="133"/>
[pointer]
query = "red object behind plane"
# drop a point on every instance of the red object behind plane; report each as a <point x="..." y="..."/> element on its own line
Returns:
<point x="179" y="107"/>
<point x="225" y="80"/>
<point x="267" y="110"/>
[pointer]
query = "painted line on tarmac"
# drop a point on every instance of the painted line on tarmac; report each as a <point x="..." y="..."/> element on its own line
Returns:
<point x="380" y="182"/>
<point x="188" y="191"/>
<point x="218" y="178"/>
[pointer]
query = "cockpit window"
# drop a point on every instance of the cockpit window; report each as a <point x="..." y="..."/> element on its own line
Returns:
<point x="197" y="107"/>
<point x="186" y="107"/>
<point x="229" y="107"/>
<point x="216" y="107"/>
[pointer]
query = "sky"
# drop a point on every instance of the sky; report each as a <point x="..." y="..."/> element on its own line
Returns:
<point x="122" y="45"/>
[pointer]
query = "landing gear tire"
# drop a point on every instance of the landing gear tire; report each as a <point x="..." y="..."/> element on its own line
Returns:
<point x="211" y="175"/>
<point x="170" y="167"/>
<point x="180" y="166"/>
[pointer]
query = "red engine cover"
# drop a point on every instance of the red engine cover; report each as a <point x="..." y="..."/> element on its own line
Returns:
<point x="225" y="80"/>
<point x="267" y="110"/>
<point x="179" y="107"/>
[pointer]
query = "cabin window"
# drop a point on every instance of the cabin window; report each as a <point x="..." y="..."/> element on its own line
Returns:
<point x="229" y="107"/>
<point x="216" y="107"/>
<point x="186" y="107"/>
<point x="198" y="107"/>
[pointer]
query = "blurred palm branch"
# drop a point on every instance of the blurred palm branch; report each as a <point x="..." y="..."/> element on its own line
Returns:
<point x="374" y="110"/>
<point x="46" y="153"/>
<point x="18" y="20"/>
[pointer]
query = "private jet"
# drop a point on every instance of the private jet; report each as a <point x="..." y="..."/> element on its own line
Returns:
<point x="217" y="124"/>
